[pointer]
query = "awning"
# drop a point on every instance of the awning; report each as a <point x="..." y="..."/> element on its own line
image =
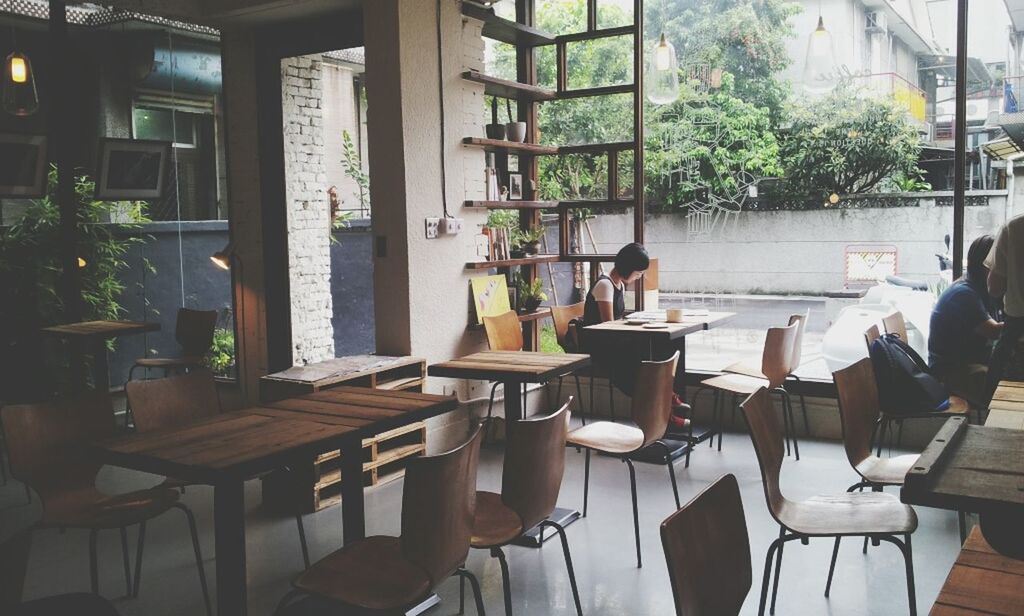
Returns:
<point x="1013" y="125"/>
<point x="1002" y="149"/>
<point x="944" y="68"/>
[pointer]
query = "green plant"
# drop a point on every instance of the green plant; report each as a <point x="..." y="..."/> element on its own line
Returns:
<point x="912" y="182"/>
<point x="352" y="162"/>
<point x="530" y="290"/>
<point x="221" y="358"/>
<point x="549" y="340"/>
<point x="523" y="237"/>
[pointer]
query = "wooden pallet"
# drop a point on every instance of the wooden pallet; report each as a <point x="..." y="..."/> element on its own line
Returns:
<point x="374" y="371"/>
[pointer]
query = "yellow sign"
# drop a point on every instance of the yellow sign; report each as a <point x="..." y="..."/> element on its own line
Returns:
<point x="490" y="296"/>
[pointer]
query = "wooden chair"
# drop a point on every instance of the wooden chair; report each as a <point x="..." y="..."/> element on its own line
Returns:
<point x="569" y="338"/>
<point x="776" y="365"/>
<point x="531" y="478"/>
<point x="751" y="369"/>
<point x="49" y="451"/>
<point x="874" y="515"/>
<point x="174" y="401"/>
<point x="708" y="552"/>
<point x="392" y="574"/>
<point x="895" y="324"/>
<point x="652" y="407"/>
<point x="194" y="332"/>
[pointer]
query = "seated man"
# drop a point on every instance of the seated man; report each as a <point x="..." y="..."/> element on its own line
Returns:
<point x="962" y="329"/>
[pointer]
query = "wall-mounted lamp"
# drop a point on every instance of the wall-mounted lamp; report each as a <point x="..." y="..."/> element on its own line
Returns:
<point x="223" y="257"/>
<point x="19" y="85"/>
<point x="82" y="263"/>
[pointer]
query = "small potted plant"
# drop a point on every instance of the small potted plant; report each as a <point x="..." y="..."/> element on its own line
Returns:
<point x="495" y="130"/>
<point x="529" y="240"/>
<point x="530" y="294"/>
<point x="514" y="130"/>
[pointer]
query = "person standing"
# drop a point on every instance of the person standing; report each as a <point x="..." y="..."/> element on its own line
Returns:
<point x="1005" y="263"/>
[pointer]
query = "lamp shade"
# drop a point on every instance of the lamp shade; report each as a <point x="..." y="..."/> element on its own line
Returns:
<point x="19" y="85"/>
<point x="820" y="71"/>
<point x="662" y="86"/>
<point x="222" y="258"/>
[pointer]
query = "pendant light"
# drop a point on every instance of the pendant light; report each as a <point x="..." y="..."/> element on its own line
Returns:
<point x="820" y="74"/>
<point x="19" y="83"/>
<point x="663" y="74"/>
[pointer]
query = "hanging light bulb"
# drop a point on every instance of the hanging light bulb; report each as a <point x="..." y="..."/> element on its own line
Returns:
<point x="19" y="86"/>
<point x="820" y="74"/>
<point x="663" y="74"/>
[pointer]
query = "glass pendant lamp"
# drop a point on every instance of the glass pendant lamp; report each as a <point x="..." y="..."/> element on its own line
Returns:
<point x="820" y="74"/>
<point x="663" y="74"/>
<point x="19" y="86"/>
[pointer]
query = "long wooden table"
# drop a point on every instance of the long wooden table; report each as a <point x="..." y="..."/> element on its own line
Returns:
<point x="92" y="336"/>
<point x="226" y="450"/>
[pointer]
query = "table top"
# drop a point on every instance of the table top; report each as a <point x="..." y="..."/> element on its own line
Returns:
<point x="244" y="443"/>
<point x="689" y="325"/>
<point x="1007" y="407"/>
<point x="520" y="366"/>
<point x="982" y="582"/>
<point x="341" y="369"/>
<point x="101" y="329"/>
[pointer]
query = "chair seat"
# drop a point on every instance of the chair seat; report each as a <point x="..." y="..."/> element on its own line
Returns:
<point x="958" y="407"/>
<point x="853" y="513"/>
<point x="87" y="507"/>
<point x="607" y="436"/>
<point x="494" y="523"/>
<point x="736" y="383"/>
<point x="168" y="362"/>
<point x="748" y="367"/>
<point x="886" y="471"/>
<point x="372" y="574"/>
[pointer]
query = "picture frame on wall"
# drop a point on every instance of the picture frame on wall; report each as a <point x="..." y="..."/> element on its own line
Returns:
<point x="132" y="169"/>
<point x="23" y="174"/>
<point x="515" y="186"/>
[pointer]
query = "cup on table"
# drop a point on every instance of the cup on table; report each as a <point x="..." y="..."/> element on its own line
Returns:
<point x="674" y="315"/>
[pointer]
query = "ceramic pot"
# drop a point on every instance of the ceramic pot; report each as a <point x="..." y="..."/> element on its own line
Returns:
<point x="516" y="131"/>
<point x="495" y="131"/>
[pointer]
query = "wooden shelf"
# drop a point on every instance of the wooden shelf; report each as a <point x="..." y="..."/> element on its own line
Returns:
<point x="511" y="205"/>
<point x="478" y="265"/>
<point x="624" y="88"/>
<point x="596" y="203"/>
<point x="504" y="30"/>
<point x="499" y="145"/>
<point x="596" y="148"/>
<point x="509" y="89"/>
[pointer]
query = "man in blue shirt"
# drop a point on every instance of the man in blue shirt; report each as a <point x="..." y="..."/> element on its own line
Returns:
<point x="962" y="328"/>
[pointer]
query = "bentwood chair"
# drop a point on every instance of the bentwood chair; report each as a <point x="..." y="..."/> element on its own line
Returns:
<point x="49" y="451"/>
<point x="193" y="331"/>
<point x="651" y="409"/>
<point x="567" y="331"/>
<point x="750" y="368"/>
<point x="390" y="575"/>
<point x="531" y="478"/>
<point x="13" y="562"/>
<point x="708" y="552"/>
<point x="504" y="333"/>
<point x="874" y="515"/>
<point x="776" y="364"/>
<point x="174" y="401"/>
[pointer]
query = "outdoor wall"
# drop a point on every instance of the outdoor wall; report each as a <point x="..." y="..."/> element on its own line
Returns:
<point x="309" y="261"/>
<point x="340" y="114"/>
<point x="799" y="252"/>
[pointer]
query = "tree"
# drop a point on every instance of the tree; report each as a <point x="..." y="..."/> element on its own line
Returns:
<point x="843" y="144"/>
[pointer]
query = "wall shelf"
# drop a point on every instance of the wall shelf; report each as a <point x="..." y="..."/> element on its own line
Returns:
<point x="506" y="31"/>
<point x="509" y="89"/>
<point x="509" y="147"/>
<point x="596" y="203"/>
<point x="511" y="205"/>
<point x="535" y="260"/>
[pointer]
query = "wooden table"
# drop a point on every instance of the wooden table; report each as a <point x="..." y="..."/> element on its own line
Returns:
<point x="226" y="450"/>
<point x="95" y="334"/>
<point x="513" y="369"/>
<point x="982" y="582"/>
<point x="1007" y="407"/>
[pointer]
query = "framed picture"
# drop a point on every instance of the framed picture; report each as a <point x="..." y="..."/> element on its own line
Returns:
<point x="515" y="186"/>
<point x="490" y="296"/>
<point x="132" y="169"/>
<point x="23" y="172"/>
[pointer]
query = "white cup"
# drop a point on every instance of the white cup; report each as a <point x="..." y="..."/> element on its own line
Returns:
<point x="674" y="315"/>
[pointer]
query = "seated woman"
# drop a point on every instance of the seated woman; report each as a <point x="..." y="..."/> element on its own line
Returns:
<point x="962" y="328"/>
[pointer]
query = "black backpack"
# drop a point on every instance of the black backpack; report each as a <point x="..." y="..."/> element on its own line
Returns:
<point x="905" y="386"/>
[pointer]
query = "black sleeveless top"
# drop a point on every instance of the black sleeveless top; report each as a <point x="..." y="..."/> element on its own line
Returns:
<point x="591" y="313"/>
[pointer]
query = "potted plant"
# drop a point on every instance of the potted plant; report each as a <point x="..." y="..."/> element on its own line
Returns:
<point x="514" y="131"/>
<point x="529" y="240"/>
<point x="530" y="294"/>
<point x="495" y="130"/>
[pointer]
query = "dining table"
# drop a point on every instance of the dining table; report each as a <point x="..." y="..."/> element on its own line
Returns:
<point x="92" y="336"/>
<point x="225" y="450"/>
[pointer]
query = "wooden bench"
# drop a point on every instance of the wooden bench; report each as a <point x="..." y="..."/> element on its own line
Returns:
<point x="982" y="582"/>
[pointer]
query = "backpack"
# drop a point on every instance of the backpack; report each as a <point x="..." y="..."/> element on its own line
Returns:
<point x="905" y="387"/>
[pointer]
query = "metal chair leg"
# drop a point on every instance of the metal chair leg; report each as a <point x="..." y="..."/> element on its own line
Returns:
<point x="961" y="523"/>
<point x="786" y="429"/>
<point x="558" y="394"/>
<point x="462" y="594"/>
<point x="94" y="576"/>
<point x="671" y="471"/>
<point x="778" y="569"/>
<point x="788" y="406"/>
<point x="908" y="560"/>
<point x="766" y="578"/>
<point x="803" y="405"/>
<point x="199" y="556"/>
<point x="138" y="557"/>
<point x="568" y="563"/>
<point x="475" y="585"/>
<point x="490" y="409"/>
<point x="832" y="567"/>
<point x="500" y="555"/>
<point x="127" y="565"/>
<point x="579" y="394"/>
<point x="636" y="511"/>
<point x="586" y="480"/>
<point x="883" y="425"/>
<point x="302" y="540"/>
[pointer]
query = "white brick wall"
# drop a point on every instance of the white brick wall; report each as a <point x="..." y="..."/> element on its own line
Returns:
<point x="309" y="255"/>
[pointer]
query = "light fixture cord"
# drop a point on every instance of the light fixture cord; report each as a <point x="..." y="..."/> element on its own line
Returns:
<point x="440" y="97"/>
<point x="174" y="162"/>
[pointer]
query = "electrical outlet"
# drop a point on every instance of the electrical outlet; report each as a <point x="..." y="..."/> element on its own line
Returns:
<point x="451" y="226"/>
<point x="432" y="227"/>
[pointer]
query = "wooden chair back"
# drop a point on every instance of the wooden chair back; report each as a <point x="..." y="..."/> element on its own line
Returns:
<point x="438" y="505"/>
<point x="47" y="441"/>
<point x="652" y="398"/>
<point x="561" y="316"/>
<point x="13" y="564"/>
<point x="767" y="438"/>
<point x="504" y="332"/>
<point x="871" y="334"/>
<point x="777" y="358"/>
<point x="895" y="324"/>
<point x="708" y="552"/>
<point x="798" y="344"/>
<point x="859" y="408"/>
<point x="194" y="330"/>
<point x="174" y="400"/>
<point x="534" y="465"/>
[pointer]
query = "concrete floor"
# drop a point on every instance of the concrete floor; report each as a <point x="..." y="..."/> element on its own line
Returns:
<point x="602" y="545"/>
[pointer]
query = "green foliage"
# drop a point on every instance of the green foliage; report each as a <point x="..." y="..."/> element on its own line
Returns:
<point x="549" y="340"/>
<point x="507" y="219"/>
<point x="912" y="182"/>
<point x="522" y="237"/>
<point x="221" y="358"/>
<point x="847" y="145"/>
<point x="529" y="290"/>
<point x="352" y="162"/>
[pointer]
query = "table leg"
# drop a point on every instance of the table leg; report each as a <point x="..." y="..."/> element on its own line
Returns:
<point x="229" y="528"/>
<point x="353" y="515"/>
<point x="513" y="400"/>
<point x="100" y="369"/>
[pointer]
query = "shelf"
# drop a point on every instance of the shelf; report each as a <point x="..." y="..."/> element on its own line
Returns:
<point x="511" y="205"/>
<point x="499" y="145"/>
<point x="509" y="89"/>
<point x="594" y="203"/>
<point x="596" y="148"/>
<point x="478" y="265"/>
<point x="625" y="88"/>
<point x="506" y="31"/>
<point x="592" y="35"/>
<point x="577" y="258"/>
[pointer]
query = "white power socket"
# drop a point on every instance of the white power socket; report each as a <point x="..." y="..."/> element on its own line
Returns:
<point x="451" y="226"/>
<point x="431" y="226"/>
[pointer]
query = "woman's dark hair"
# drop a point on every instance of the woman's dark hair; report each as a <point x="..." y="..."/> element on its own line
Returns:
<point x="977" y="254"/>
<point x="631" y="258"/>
